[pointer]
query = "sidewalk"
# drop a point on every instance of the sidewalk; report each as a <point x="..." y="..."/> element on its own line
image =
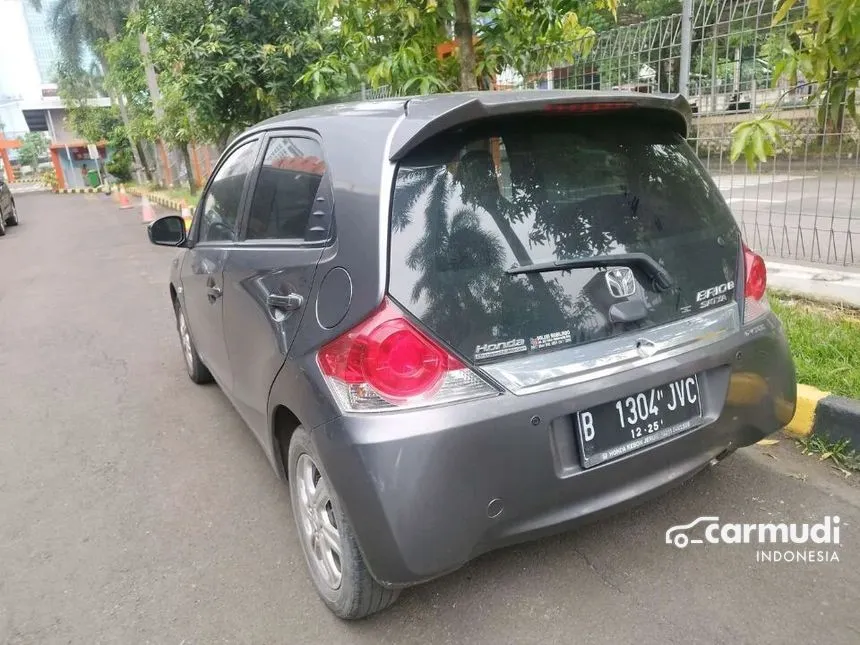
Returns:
<point x="818" y="282"/>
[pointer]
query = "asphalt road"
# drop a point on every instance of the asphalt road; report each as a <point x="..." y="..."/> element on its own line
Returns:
<point x="135" y="507"/>
<point x="805" y="214"/>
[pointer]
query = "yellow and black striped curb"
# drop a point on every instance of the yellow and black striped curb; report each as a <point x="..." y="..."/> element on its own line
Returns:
<point x="820" y="412"/>
<point x="161" y="200"/>
<point x="79" y="191"/>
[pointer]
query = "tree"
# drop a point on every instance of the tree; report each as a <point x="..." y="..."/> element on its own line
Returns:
<point x="85" y="25"/>
<point x="821" y="43"/>
<point x="34" y="146"/>
<point x="233" y="63"/>
<point x="523" y="34"/>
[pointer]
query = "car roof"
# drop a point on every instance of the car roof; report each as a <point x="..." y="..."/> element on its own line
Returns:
<point x="421" y="117"/>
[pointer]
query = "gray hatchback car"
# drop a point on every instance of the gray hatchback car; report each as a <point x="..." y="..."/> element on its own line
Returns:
<point x="461" y="321"/>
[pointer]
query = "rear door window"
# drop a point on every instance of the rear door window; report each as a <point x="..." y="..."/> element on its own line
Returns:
<point x="469" y="207"/>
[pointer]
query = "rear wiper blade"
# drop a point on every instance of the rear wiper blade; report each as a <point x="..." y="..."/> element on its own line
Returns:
<point x="649" y="265"/>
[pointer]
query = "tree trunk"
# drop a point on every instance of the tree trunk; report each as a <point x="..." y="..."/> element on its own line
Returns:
<point x="136" y="146"/>
<point x="139" y="158"/>
<point x="464" y="36"/>
<point x="154" y="95"/>
<point x="189" y="168"/>
<point x="136" y="153"/>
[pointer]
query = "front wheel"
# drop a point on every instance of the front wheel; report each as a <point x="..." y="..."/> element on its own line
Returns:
<point x="336" y="565"/>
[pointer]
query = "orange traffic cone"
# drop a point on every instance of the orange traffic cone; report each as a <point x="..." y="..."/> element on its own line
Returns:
<point x="124" y="201"/>
<point x="148" y="211"/>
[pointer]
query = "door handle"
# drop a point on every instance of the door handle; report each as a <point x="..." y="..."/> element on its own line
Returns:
<point x="290" y="302"/>
<point x="213" y="292"/>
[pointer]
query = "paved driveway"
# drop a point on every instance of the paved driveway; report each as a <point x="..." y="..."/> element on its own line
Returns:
<point x="135" y="507"/>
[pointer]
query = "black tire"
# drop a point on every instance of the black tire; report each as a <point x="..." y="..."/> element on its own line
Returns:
<point x="358" y="594"/>
<point x="197" y="371"/>
<point x="12" y="220"/>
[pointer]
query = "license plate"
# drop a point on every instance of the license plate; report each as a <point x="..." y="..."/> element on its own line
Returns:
<point x="613" y="429"/>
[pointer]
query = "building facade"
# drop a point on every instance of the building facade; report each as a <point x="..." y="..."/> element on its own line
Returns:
<point x="29" y="101"/>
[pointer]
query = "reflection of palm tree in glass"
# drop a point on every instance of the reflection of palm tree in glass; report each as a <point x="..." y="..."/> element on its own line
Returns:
<point x="461" y="267"/>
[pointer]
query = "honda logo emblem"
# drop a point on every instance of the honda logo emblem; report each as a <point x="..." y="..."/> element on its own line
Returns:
<point x="621" y="282"/>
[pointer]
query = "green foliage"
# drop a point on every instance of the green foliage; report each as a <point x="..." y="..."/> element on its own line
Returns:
<point x="821" y="44"/>
<point x="120" y="165"/>
<point x="757" y="138"/>
<point x="90" y="122"/>
<point x="34" y="146"/>
<point x="125" y="76"/>
<point x="530" y="37"/>
<point x="365" y="50"/>
<point x="227" y="65"/>
<point x="840" y="453"/>
<point x="522" y="34"/>
<point x="49" y="178"/>
<point x="825" y="343"/>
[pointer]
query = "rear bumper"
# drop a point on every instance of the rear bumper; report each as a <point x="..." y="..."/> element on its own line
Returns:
<point x="430" y="489"/>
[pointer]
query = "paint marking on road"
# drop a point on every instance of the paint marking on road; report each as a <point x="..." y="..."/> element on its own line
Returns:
<point x="732" y="200"/>
<point x="725" y="182"/>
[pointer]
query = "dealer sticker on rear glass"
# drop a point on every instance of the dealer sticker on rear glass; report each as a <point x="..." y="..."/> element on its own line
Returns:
<point x="494" y="350"/>
<point x="553" y="339"/>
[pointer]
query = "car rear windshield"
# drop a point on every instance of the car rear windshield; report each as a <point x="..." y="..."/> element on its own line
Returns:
<point x="476" y="213"/>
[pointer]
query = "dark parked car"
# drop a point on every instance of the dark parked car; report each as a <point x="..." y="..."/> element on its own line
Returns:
<point x="8" y="212"/>
<point x="462" y="321"/>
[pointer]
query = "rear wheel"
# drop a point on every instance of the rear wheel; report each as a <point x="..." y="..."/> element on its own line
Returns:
<point x="12" y="220"/>
<point x="197" y="371"/>
<point x="336" y="565"/>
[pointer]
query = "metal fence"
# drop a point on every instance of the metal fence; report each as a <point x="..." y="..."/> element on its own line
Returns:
<point x="800" y="204"/>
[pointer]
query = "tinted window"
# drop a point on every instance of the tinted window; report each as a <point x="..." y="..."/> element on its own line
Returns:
<point x="470" y="205"/>
<point x="286" y="189"/>
<point x="221" y="206"/>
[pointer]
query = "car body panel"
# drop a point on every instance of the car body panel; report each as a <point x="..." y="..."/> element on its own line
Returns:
<point x="417" y="485"/>
<point x="202" y="271"/>
<point x="258" y="335"/>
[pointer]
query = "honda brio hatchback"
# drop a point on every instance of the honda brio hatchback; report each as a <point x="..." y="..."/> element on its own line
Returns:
<point x="461" y="321"/>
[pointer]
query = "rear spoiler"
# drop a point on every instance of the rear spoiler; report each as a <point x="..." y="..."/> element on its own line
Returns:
<point x="429" y="115"/>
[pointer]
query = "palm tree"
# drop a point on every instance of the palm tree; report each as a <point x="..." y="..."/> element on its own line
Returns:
<point x="78" y="26"/>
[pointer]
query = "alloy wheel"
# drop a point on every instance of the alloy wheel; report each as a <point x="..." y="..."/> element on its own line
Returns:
<point x="318" y="523"/>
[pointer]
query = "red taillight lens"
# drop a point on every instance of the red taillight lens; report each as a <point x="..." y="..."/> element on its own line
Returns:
<point x="755" y="286"/>
<point x="756" y="278"/>
<point x="400" y="363"/>
<point x="386" y="360"/>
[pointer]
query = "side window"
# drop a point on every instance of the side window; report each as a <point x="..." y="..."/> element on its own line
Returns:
<point x="221" y="205"/>
<point x="289" y="179"/>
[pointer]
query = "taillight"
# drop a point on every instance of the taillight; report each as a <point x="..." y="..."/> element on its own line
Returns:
<point x="755" y="285"/>
<point x="611" y="106"/>
<point x="386" y="363"/>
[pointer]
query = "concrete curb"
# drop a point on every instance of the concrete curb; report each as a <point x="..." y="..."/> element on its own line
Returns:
<point x="167" y="202"/>
<point x="80" y="191"/>
<point x="821" y="413"/>
<point x="833" y="285"/>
